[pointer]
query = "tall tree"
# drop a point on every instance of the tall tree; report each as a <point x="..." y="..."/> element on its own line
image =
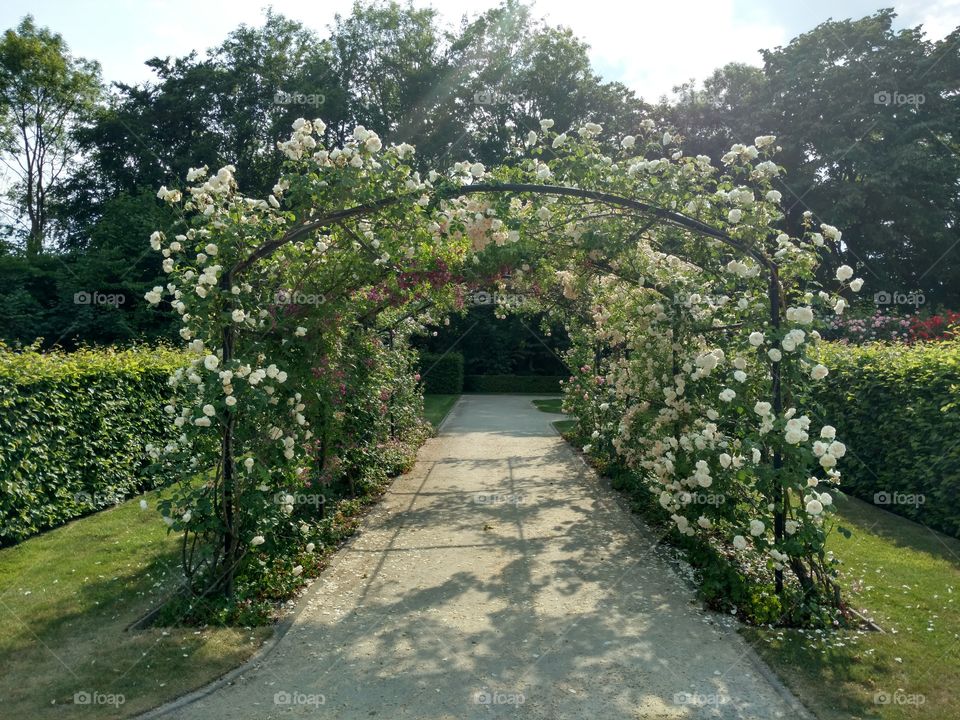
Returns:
<point x="43" y="92"/>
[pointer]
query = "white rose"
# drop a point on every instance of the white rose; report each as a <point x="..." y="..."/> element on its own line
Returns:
<point x="844" y="272"/>
<point x="819" y="372"/>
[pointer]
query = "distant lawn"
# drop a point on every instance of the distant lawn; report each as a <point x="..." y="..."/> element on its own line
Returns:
<point x="436" y="407"/>
<point x="907" y="579"/>
<point x="66" y="598"/>
<point x="553" y="405"/>
<point x="549" y="405"/>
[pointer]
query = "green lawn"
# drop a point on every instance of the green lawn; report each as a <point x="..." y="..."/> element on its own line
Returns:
<point x="66" y="599"/>
<point x="907" y="579"/>
<point x="436" y="407"/>
<point x="549" y="405"/>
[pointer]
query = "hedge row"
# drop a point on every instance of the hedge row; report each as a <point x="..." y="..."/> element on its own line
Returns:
<point x="897" y="408"/>
<point x="442" y="374"/>
<point x="72" y="431"/>
<point x="534" y="384"/>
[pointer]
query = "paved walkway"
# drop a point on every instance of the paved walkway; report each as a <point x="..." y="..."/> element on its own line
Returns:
<point x="499" y="578"/>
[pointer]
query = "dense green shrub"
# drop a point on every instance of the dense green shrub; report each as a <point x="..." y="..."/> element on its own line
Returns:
<point x="896" y="406"/>
<point x="73" y="427"/>
<point x="536" y="384"/>
<point x="442" y="374"/>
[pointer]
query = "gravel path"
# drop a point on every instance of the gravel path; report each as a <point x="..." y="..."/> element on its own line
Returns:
<point x="500" y="578"/>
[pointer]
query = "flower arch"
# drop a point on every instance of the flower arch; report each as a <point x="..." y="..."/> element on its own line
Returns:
<point x="691" y="314"/>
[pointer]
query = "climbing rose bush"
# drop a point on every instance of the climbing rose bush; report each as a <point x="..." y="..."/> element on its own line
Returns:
<point x="660" y="264"/>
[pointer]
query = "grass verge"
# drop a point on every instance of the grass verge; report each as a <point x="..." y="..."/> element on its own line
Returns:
<point x="905" y="577"/>
<point x="66" y="599"/>
<point x="436" y="407"/>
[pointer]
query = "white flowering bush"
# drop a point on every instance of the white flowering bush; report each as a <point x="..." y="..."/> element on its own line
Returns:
<point x="663" y="267"/>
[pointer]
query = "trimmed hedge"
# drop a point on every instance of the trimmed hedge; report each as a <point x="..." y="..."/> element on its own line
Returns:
<point x="442" y="374"/>
<point x="72" y="431"/>
<point x="897" y="409"/>
<point x="535" y="384"/>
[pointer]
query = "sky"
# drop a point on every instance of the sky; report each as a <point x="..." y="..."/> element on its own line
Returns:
<point x="649" y="46"/>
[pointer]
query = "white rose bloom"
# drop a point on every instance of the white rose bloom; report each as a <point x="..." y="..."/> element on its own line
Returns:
<point x="844" y="272"/>
<point x="756" y="339"/>
<point x="311" y="547"/>
<point x="739" y="542"/>
<point x="209" y="410"/>
<point x="210" y="362"/>
<point x="774" y="196"/>
<point x="837" y="449"/>
<point x="727" y="395"/>
<point x="628" y="142"/>
<point x="559" y="140"/>
<point x="238" y="316"/>
<point x="298" y="570"/>
<point x="300" y="331"/>
<point x="231" y="400"/>
<point x="762" y="408"/>
<point x="819" y="372"/>
<point x="734" y="216"/>
<point x="775" y="354"/>
<point x="477" y="170"/>
<point x="202" y="422"/>
<point x="756" y="528"/>
<point x="814" y="507"/>
<point x="790" y="526"/>
<point x="828" y="432"/>
<point x="546" y="124"/>
<point x="740" y="376"/>
<point x="856" y="284"/>
<point x="258" y="540"/>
